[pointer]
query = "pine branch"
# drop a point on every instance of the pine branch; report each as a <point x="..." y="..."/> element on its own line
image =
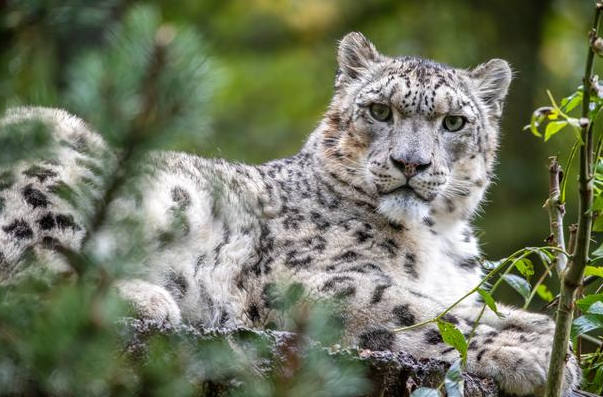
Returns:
<point x="572" y="276"/>
<point x="134" y="138"/>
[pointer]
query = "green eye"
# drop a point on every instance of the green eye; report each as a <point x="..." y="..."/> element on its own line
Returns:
<point x="454" y="123"/>
<point x="380" y="112"/>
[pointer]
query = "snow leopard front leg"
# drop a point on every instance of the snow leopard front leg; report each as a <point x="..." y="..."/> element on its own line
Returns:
<point x="514" y="350"/>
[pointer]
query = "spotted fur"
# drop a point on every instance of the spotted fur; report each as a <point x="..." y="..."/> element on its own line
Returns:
<point x="374" y="213"/>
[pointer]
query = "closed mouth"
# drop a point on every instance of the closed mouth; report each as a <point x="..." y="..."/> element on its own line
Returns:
<point x="406" y="190"/>
<point x="401" y="189"/>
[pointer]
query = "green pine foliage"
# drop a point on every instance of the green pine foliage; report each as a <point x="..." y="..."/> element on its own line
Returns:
<point x="151" y="83"/>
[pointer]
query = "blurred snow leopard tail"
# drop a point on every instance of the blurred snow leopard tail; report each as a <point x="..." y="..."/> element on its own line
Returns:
<point x="49" y="195"/>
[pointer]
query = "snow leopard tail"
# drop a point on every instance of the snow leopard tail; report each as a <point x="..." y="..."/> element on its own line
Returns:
<point x="47" y="195"/>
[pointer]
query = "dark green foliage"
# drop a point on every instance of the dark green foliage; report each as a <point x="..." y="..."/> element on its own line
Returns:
<point x="59" y="338"/>
<point x="150" y="84"/>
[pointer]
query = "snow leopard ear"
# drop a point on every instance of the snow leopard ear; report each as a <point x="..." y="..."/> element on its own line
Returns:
<point x="491" y="81"/>
<point x="355" y="55"/>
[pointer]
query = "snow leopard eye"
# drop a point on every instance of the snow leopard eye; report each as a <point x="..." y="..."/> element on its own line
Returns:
<point x="380" y="112"/>
<point x="454" y="123"/>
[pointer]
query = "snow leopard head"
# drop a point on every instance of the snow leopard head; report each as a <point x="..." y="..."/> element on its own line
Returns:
<point x="418" y="135"/>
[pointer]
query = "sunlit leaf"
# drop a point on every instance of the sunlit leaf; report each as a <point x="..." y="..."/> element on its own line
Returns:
<point x="571" y="102"/>
<point x="544" y="293"/>
<point x="454" y="381"/>
<point x="552" y="128"/>
<point x="593" y="271"/>
<point x="535" y="121"/>
<point x="452" y="336"/>
<point x="518" y="284"/>
<point x="588" y="301"/>
<point x="586" y="323"/>
<point x="596" y="308"/>
<point x="489" y="300"/>
<point x="525" y="267"/>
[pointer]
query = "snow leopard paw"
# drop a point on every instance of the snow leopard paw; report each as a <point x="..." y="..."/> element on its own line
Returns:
<point x="519" y="361"/>
<point x="150" y="301"/>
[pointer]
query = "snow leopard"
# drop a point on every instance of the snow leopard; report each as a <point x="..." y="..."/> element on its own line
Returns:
<point x="375" y="210"/>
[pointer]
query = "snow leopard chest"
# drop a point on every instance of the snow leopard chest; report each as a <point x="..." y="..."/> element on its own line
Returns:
<point x="346" y="249"/>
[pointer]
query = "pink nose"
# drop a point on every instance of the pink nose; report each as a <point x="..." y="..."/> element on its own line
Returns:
<point x="409" y="168"/>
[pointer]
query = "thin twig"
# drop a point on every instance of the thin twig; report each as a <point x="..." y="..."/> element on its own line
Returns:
<point x="572" y="276"/>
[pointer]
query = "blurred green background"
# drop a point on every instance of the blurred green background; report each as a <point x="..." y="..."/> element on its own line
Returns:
<point x="274" y="64"/>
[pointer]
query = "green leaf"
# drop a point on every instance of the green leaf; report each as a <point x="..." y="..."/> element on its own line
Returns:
<point x="525" y="267"/>
<point x="545" y="256"/>
<point x="594" y="270"/>
<point x="585" y="303"/>
<point x="425" y="392"/>
<point x="552" y="128"/>
<point x="491" y="265"/>
<point x="598" y="227"/>
<point x="544" y="293"/>
<point x="454" y="381"/>
<point x="586" y="323"/>
<point x="598" y="204"/>
<point x="569" y="103"/>
<point x="452" y="336"/>
<point x="518" y="284"/>
<point x="489" y="300"/>
<point x="596" y="308"/>
<point x="535" y="121"/>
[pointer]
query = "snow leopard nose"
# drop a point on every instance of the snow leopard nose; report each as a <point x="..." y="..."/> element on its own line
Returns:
<point x="410" y="168"/>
